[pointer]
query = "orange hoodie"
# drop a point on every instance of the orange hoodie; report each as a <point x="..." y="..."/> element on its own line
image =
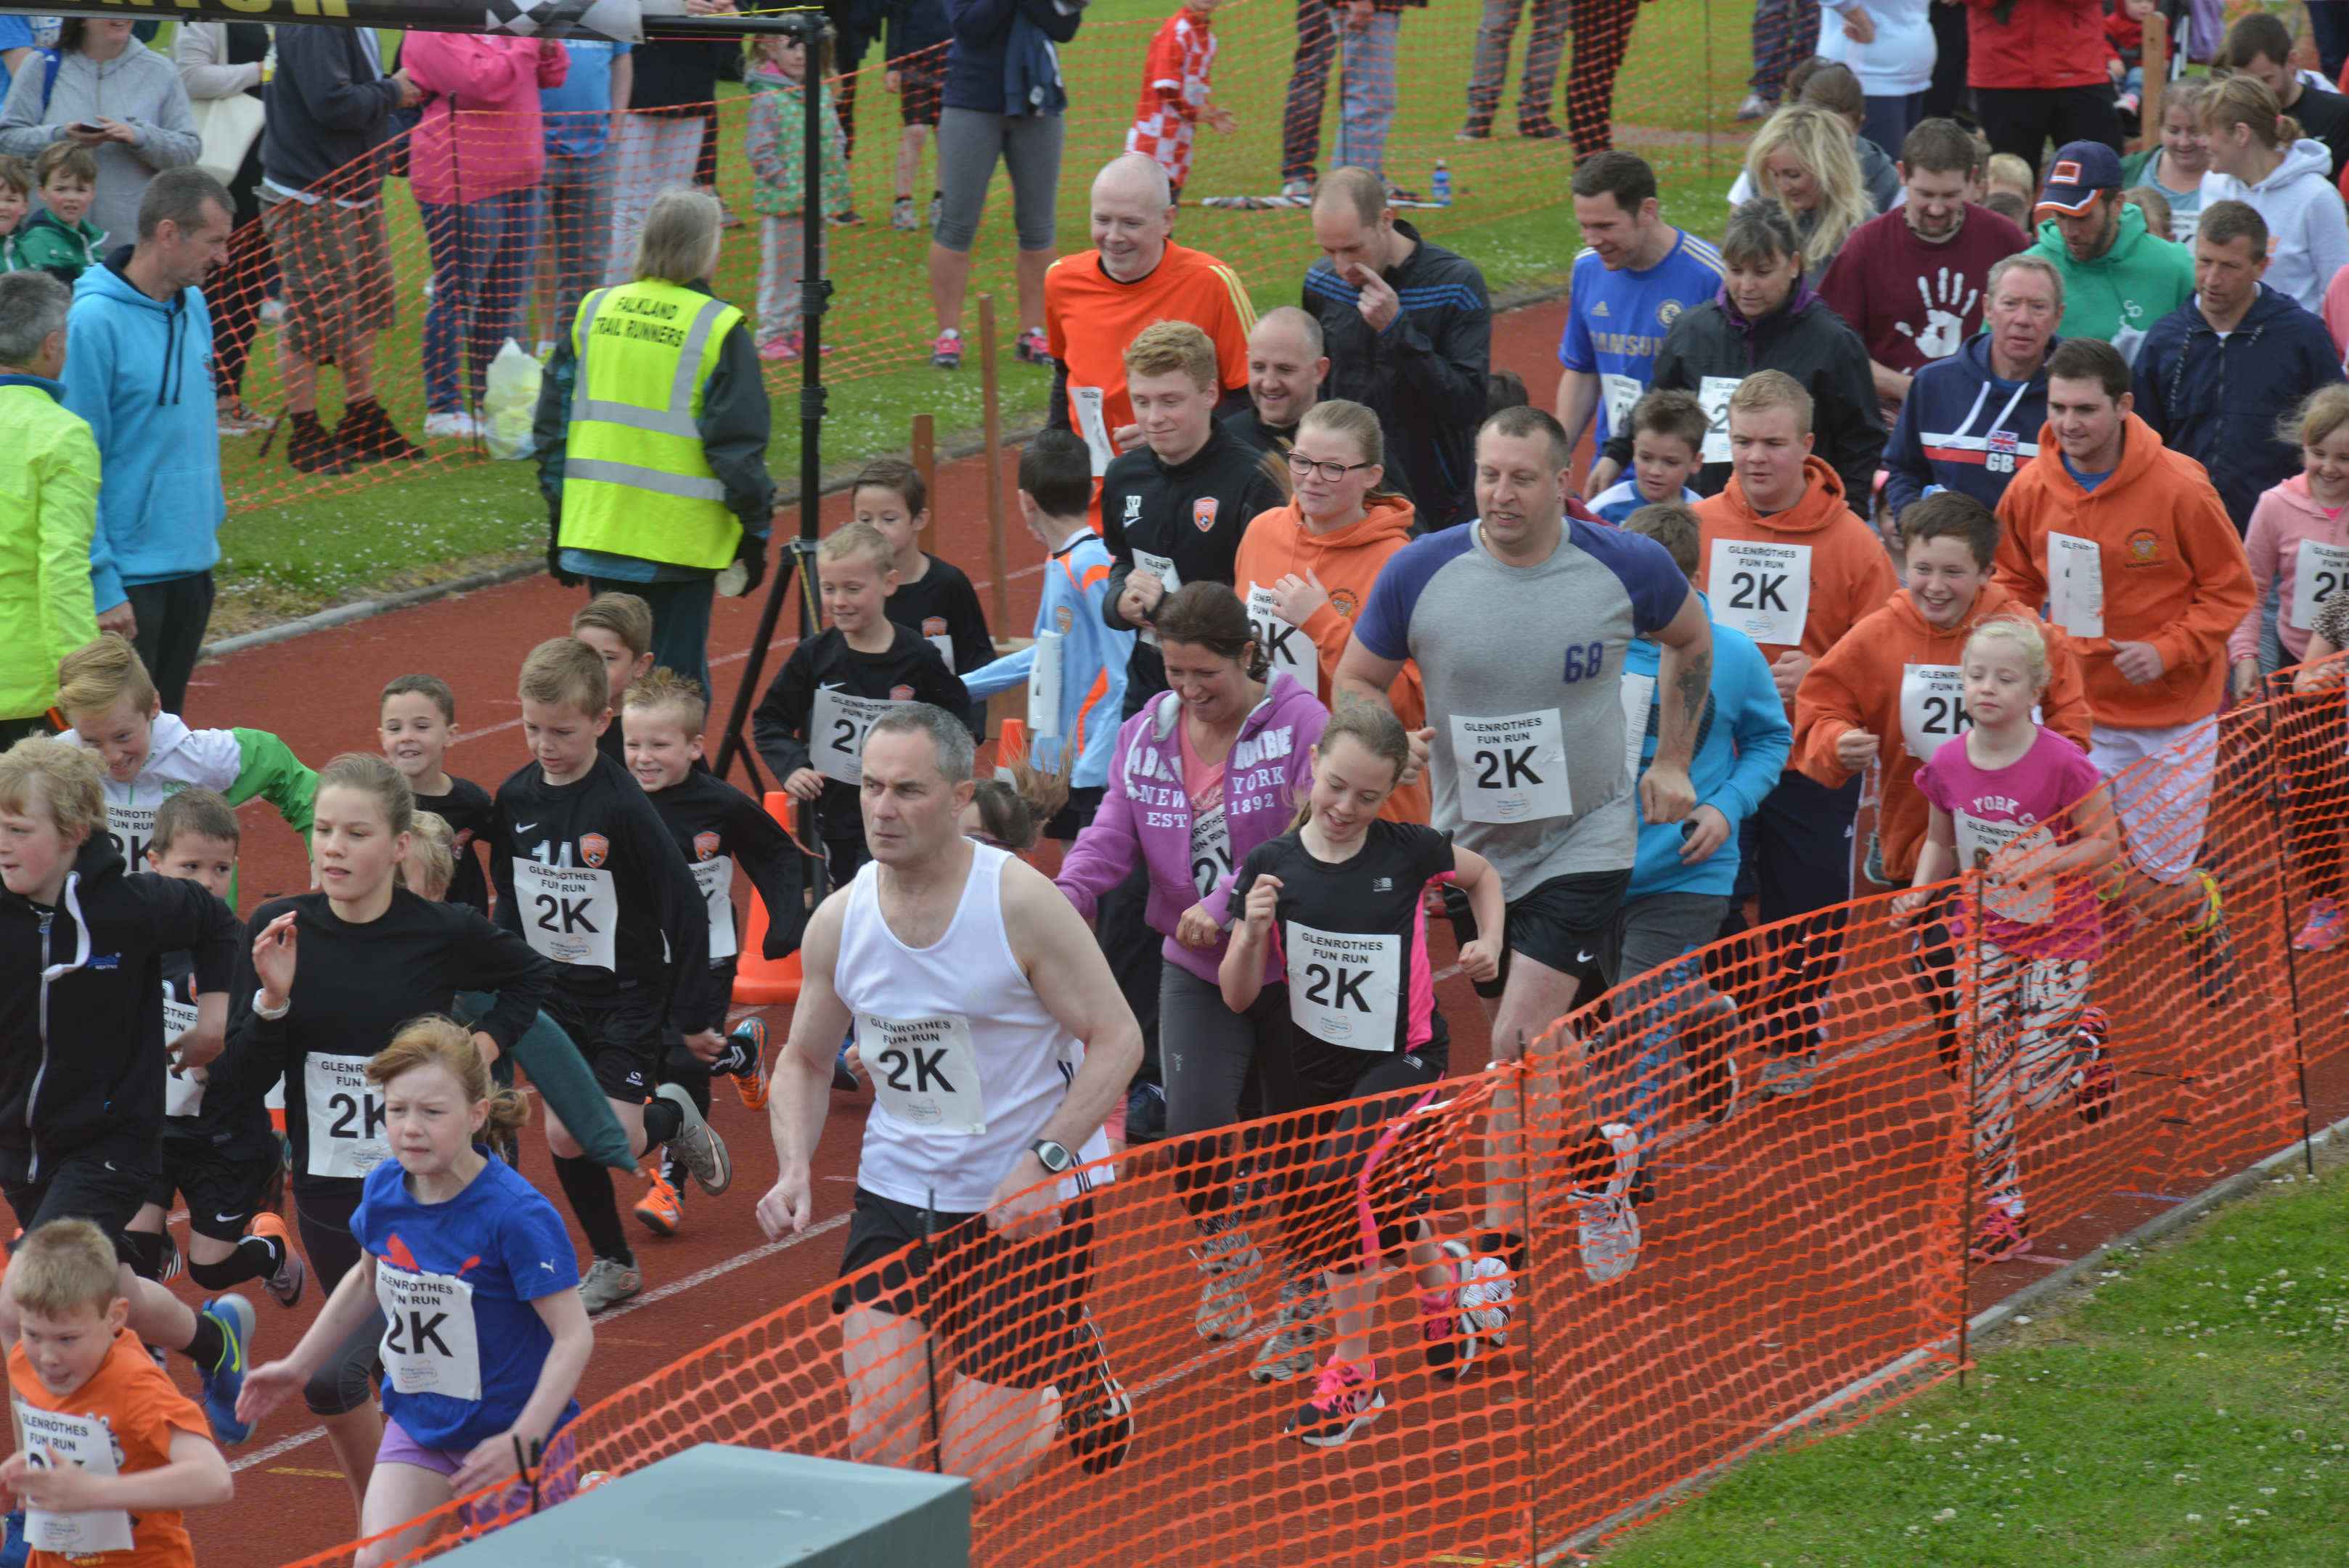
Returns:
<point x="2159" y="562"/>
<point x="1346" y="561"/>
<point x="1861" y="685"/>
<point x="1845" y="573"/>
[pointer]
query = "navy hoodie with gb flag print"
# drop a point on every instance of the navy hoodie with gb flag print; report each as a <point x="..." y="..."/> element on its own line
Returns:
<point x="81" y="1010"/>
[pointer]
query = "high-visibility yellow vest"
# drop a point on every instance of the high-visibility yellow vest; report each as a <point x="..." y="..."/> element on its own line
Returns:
<point x="635" y="478"/>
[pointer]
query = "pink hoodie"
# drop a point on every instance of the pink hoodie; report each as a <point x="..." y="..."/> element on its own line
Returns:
<point x="2286" y="518"/>
<point x="487" y="88"/>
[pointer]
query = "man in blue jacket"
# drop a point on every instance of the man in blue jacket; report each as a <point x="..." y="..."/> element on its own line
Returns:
<point x="1971" y="421"/>
<point x="139" y="368"/>
<point x="2218" y="373"/>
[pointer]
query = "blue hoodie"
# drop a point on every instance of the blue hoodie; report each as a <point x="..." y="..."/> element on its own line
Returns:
<point x="2218" y="401"/>
<point x="1741" y="749"/>
<point x="139" y="370"/>
<point x="1943" y="438"/>
<point x="1093" y="660"/>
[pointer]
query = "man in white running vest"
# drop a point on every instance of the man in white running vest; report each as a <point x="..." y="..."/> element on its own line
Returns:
<point x="997" y="1042"/>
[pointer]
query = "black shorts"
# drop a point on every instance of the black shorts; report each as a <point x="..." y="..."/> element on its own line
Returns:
<point x="1561" y="924"/>
<point x="1002" y="1307"/>
<point x="919" y="95"/>
<point x="108" y="1193"/>
<point x="223" y="1191"/>
<point x="1347" y="1160"/>
<point x="620" y="1035"/>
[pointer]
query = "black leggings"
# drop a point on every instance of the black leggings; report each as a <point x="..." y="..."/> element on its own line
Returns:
<point x="341" y="1385"/>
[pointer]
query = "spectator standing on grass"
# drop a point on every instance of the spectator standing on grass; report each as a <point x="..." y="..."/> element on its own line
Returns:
<point x="674" y="87"/>
<point x="114" y="96"/>
<point x="1174" y="90"/>
<point x="1360" y="36"/>
<point x="1003" y="99"/>
<point x="584" y="117"/>
<point x="48" y="514"/>
<point x="652" y="451"/>
<point x="473" y="163"/>
<point x="1602" y="37"/>
<point x="1546" y="24"/>
<point x="1409" y="328"/>
<point x="2258" y="155"/>
<point x="141" y="346"/>
<point x="915" y="53"/>
<point x="2119" y="279"/>
<point x="221" y="60"/>
<point x="1286" y="367"/>
<point x="2037" y="69"/>
<point x="1783" y="33"/>
<point x="778" y="150"/>
<point x="1888" y="46"/>
<point x="330" y="111"/>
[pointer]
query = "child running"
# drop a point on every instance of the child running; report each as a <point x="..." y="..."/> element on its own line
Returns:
<point x="777" y="145"/>
<point x="60" y="238"/>
<point x="714" y="824"/>
<point x="1174" y="90"/>
<point x="618" y="627"/>
<point x="472" y="1273"/>
<point x="111" y="1452"/>
<point x="417" y="722"/>
<point x="1668" y="432"/>
<point x="2027" y="808"/>
<point x="1339" y="900"/>
<point x="104" y="694"/>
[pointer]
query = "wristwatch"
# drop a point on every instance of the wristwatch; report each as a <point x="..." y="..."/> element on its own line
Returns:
<point x="1054" y="1157"/>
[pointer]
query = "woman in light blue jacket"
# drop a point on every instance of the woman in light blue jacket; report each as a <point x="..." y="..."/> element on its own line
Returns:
<point x="131" y="96"/>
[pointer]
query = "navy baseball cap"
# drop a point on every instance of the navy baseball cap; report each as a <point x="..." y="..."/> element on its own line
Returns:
<point x="2081" y="168"/>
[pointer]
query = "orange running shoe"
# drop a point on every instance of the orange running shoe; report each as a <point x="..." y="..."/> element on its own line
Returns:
<point x="293" y="1276"/>
<point x="749" y="1043"/>
<point x="660" y="1208"/>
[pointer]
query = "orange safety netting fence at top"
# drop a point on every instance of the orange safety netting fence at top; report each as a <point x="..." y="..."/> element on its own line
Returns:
<point x="534" y="260"/>
<point x="1800" y="1262"/>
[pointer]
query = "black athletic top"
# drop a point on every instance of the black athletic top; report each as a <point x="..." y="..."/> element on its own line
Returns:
<point x="1352" y="939"/>
<point x="467" y="809"/>
<point x="943" y="609"/>
<point x="715" y="826"/>
<point x="791" y="734"/>
<point x="354" y="987"/>
<point x="227" y="1118"/>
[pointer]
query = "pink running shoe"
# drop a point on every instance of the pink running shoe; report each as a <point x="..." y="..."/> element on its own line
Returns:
<point x="1345" y="1401"/>
<point x="2326" y="924"/>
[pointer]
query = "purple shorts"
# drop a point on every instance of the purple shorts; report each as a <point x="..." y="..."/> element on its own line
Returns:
<point x="558" y="1475"/>
<point x="399" y="1448"/>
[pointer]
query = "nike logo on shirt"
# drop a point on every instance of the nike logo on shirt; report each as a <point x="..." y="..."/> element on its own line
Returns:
<point x="524" y="827"/>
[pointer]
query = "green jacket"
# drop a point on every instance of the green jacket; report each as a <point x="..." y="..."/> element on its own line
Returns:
<point x="46" y="517"/>
<point x="69" y="251"/>
<point x="2120" y="295"/>
<point x="777" y="145"/>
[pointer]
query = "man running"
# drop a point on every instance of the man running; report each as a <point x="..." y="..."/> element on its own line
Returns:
<point x="997" y="1042"/>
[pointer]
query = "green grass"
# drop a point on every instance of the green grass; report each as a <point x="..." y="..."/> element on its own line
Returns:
<point x="2188" y="1405"/>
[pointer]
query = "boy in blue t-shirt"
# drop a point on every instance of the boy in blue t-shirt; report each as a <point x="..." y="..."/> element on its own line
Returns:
<point x="1667" y="445"/>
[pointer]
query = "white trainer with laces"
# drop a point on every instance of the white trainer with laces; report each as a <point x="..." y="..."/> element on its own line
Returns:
<point x="1609" y="1226"/>
<point x="1229" y="1263"/>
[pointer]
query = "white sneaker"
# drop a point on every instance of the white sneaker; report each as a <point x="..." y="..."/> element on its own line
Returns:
<point x="1609" y="1226"/>
<point x="1229" y="1263"/>
<point x="1479" y="1305"/>
<point x="451" y="427"/>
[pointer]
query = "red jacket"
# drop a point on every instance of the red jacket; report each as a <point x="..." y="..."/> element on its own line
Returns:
<point x="2035" y="43"/>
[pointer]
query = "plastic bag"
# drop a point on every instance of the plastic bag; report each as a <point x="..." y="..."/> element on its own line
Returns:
<point x="510" y="402"/>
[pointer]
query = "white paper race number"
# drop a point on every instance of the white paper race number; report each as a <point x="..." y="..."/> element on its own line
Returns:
<point x="132" y="828"/>
<point x="1342" y="988"/>
<point x="2316" y="576"/>
<point x="925" y="1072"/>
<point x="1621" y="394"/>
<point x="85" y="1441"/>
<point x="347" y="1136"/>
<point x="1211" y="850"/>
<point x="568" y="912"/>
<point x="1162" y="569"/>
<point x="1638" y="694"/>
<point x="184" y="1093"/>
<point x="1762" y="590"/>
<point x="1988" y="846"/>
<point x="2076" y="585"/>
<point x="428" y="1342"/>
<point x="1933" y="708"/>
<point x="716" y="880"/>
<point x="1287" y="646"/>
<point x="1092" y="423"/>
<point x="836" y="726"/>
<point x="1044" y="684"/>
<point x="1712" y="396"/>
<point x="1512" y="768"/>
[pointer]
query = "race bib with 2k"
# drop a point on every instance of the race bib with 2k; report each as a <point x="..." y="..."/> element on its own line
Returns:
<point x="716" y="880"/>
<point x="1512" y="768"/>
<point x="347" y="1136"/>
<point x="428" y="1342"/>
<point x="1342" y="987"/>
<point x="2076" y="585"/>
<point x="925" y="1072"/>
<point x="1762" y="590"/>
<point x="1287" y="646"/>
<point x="836" y="726"/>
<point x="569" y="913"/>
<point x="184" y="1093"/>
<point x="1211" y="850"/>
<point x="1712" y="396"/>
<point x="53" y="1437"/>
<point x="1162" y="569"/>
<point x="1933" y="708"/>
<point x="2317" y="575"/>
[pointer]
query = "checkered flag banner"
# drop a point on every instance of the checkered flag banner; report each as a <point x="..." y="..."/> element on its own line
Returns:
<point x="621" y="21"/>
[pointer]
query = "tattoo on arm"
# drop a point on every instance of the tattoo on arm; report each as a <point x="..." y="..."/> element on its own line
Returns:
<point x="1695" y="680"/>
<point x="1348" y="698"/>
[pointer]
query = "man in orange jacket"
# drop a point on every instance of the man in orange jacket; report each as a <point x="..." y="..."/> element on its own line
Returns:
<point x="1786" y="562"/>
<point x="2130" y="549"/>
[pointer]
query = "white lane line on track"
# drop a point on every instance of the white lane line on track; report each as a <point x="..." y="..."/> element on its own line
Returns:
<point x="287" y="1445"/>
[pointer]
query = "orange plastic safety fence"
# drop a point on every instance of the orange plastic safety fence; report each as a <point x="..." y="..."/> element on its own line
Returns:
<point x="466" y="276"/>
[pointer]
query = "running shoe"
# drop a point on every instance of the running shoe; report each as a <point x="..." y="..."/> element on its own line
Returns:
<point x="1229" y="1263"/>
<point x="1346" y="1399"/>
<point x="237" y="418"/>
<point x="901" y="215"/>
<point x="937" y="210"/>
<point x="788" y="349"/>
<point x="701" y="1149"/>
<point x="1097" y="1416"/>
<point x="2005" y="1234"/>
<point x="1755" y="107"/>
<point x="748" y="1069"/>
<point x="293" y="1277"/>
<point x="1296" y="189"/>
<point x="2326" y="923"/>
<point x="1714" y="1078"/>
<point x="661" y="1209"/>
<point x="1032" y="347"/>
<point x="1542" y="130"/>
<point x="1436" y="1326"/>
<point x="945" y="350"/>
<point x="1608" y="1224"/>
<point x="232" y="1314"/>
<point x="2213" y="946"/>
<point x="2095" y="1083"/>
<point x="609" y="1283"/>
<point x="1298" y="1322"/>
<point x="451" y="426"/>
<point x="173" y="1263"/>
<point x="1474" y="131"/>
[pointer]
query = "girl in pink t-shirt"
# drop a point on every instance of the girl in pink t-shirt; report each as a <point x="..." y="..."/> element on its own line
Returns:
<point x="2027" y="809"/>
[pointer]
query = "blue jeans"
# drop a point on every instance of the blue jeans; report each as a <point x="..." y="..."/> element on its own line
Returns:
<point x="574" y="215"/>
<point x="1366" y="92"/>
<point x="482" y="261"/>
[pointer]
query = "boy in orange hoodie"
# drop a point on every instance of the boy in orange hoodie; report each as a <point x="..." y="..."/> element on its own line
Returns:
<point x="1304" y="569"/>
<point x="1784" y="561"/>
<point x="2131" y="550"/>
